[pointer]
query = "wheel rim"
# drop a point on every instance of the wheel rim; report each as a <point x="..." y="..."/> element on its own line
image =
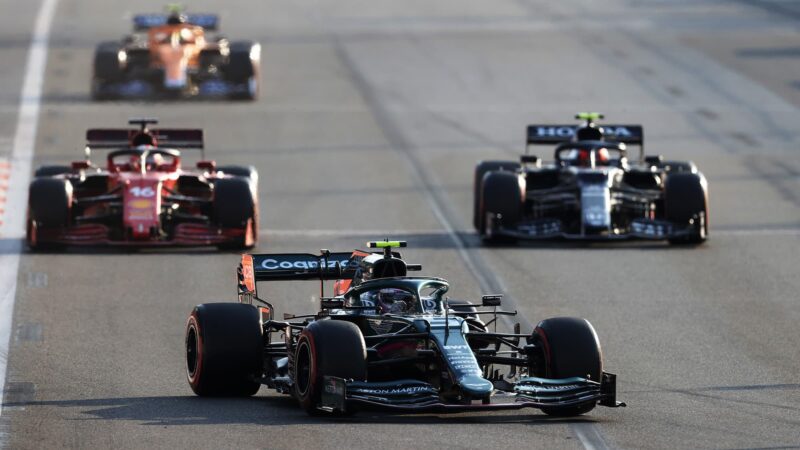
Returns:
<point x="191" y="352"/>
<point x="303" y="369"/>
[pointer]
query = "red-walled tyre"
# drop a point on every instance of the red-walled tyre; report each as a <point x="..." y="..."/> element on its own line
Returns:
<point x="326" y="348"/>
<point x="49" y="209"/>
<point x="224" y="350"/>
<point x="571" y="349"/>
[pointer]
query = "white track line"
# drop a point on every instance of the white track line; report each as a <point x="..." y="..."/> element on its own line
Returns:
<point x="13" y="226"/>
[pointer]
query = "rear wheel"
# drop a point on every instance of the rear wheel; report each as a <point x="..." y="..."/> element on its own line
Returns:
<point x="234" y="206"/>
<point x="685" y="202"/>
<point x="224" y="350"/>
<point x="501" y="195"/>
<point x="327" y="348"/>
<point x="482" y="169"/>
<point x="571" y="349"/>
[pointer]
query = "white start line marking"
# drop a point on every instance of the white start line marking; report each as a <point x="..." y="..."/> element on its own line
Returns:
<point x="15" y="193"/>
<point x="5" y="173"/>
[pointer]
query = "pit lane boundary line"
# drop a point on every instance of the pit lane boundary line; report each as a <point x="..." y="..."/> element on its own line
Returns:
<point x="21" y="159"/>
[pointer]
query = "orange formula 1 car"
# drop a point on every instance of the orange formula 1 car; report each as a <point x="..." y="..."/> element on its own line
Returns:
<point x="143" y="197"/>
<point x="172" y="56"/>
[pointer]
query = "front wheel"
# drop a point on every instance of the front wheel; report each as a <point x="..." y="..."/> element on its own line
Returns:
<point x="686" y="202"/>
<point x="326" y="348"/>
<point x="501" y="196"/>
<point x="482" y="169"/>
<point x="571" y="349"/>
<point x="235" y="207"/>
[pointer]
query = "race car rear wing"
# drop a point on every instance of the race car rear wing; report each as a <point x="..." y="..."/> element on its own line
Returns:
<point x="143" y="22"/>
<point x="303" y="266"/>
<point x="185" y="138"/>
<point x="326" y="266"/>
<point x="556" y="134"/>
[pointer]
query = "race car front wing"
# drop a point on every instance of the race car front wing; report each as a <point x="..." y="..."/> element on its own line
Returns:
<point x="652" y="229"/>
<point x="418" y="396"/>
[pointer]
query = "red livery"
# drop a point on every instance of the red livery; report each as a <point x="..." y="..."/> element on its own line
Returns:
<point x="143" y="196"/>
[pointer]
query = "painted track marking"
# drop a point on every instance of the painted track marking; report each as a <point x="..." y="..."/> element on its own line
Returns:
<point x="12" y="228"/>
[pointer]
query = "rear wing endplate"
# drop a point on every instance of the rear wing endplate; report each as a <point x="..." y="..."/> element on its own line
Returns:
<point x="143" y="22"/>
<point x="556" y="134"/>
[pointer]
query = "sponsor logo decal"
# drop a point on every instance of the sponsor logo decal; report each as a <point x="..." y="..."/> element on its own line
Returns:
<point x="407" y="390"/>
<point x="567" y="132"/>
<point x="140" y="204"/>
<point x="274" y="264"/>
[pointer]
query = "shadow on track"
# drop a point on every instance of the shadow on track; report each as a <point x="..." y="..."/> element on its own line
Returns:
<point x="262" y="410"/>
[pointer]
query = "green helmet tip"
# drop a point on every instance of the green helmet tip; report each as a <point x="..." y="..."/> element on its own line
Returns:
<point x="589" y="116"/>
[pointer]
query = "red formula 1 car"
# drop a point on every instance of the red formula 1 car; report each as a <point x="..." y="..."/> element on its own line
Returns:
<point x="143" y="197"/>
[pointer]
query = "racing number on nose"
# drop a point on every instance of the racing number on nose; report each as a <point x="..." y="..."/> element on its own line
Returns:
<point x="137" y="191"/>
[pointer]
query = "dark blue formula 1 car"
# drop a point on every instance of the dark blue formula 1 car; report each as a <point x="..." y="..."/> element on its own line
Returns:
<point x="591" y="189"/>
<point x="391" y="341"/>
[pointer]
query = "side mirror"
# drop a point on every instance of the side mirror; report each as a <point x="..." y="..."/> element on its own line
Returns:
<point x="491" y="300"/>
<point x="331" y="303"/>
<point x="210" y="166"/>
<point x="81" y="165"/>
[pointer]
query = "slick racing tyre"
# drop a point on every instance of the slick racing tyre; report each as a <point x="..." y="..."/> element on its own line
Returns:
<point x="109" y="64"/>
<point x="49" y="171"/>
<point x="224" y="350"/>
<point x="326" y="348"/>
<point x="235" y="206"/>
<point x="571" y="349"/>
<point x="501" y="195"/>
<point x="242" y="69"/>
<point x="49" y="208"/>
<point x="685" y="200"/>
<point x="109" y="68"/>
<point x="482" y="169"/>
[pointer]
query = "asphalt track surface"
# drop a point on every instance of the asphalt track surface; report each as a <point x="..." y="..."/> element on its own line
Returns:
<point x="372" y="117"/>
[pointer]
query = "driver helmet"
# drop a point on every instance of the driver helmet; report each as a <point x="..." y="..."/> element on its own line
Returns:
<point x="154" y="161"/>
<point x="589" y="133"/>
<point x="143" y="140"/>
<point x="602" y="157"/>
<point x="395" y="301"/>
<point x="176" y="18"/>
